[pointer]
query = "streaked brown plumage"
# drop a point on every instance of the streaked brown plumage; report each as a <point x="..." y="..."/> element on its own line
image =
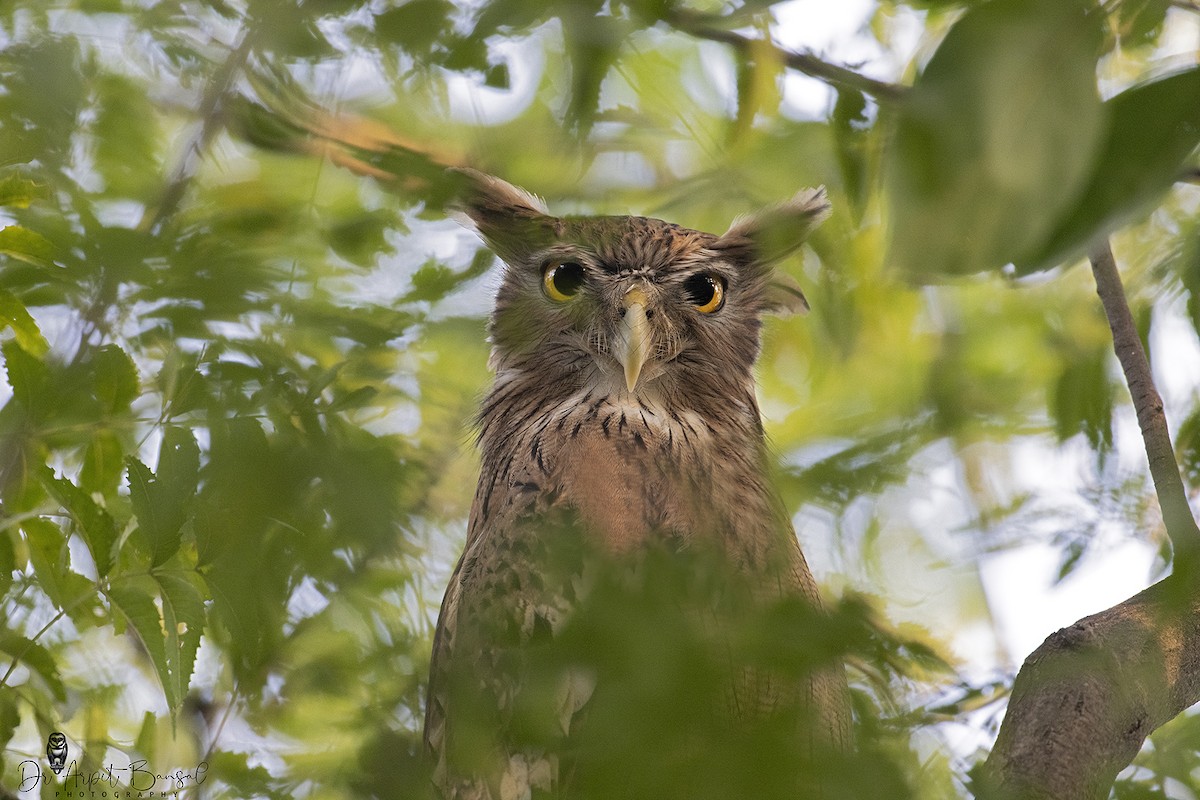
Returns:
<point x="623" y="413"/>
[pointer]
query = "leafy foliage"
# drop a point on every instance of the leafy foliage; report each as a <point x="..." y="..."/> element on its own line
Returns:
<point x="241" y="348"/>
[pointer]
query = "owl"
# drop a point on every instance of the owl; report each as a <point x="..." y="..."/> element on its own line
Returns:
<point x="621" y="429"/>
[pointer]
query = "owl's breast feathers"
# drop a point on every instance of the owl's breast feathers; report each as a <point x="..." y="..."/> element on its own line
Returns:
<point x="631" y="469"/>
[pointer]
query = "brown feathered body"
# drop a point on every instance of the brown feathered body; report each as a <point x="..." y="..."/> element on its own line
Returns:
<point x="570" y="449"/>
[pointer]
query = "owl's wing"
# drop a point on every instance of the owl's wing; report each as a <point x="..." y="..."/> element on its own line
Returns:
<point x="501" y="596"/>
<point x="436" y="701"/>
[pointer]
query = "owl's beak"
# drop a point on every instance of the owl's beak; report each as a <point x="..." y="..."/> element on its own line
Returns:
<point x="634" y="335"/>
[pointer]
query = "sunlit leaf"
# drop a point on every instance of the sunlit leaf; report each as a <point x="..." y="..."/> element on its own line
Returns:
<point x="14" y="315"/>
<point x="146" y="740"/>
<point x="44" y="93"/>
<point x="17" y="191"/>
<point x="28" y="246"/>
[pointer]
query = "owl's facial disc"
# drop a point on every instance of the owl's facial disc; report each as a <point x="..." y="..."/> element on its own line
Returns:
<point x="633" y="335"/>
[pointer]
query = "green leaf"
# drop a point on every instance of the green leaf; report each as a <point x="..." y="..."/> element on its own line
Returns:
<point x="1140" y="21"/>
<point x="986" y="157"/>
<point x="10" y="718"/>
<point x="161" y="501"/>
<point x="1152" y="130"/>
<point x="17" y="191"/>
<point x="759" y="75"/>
<point x="28" y="377"/>
<point x="433" y="281"/>
<point x="13" y="314"/>
<point x="593" y="43"/>
<point x="170" y="638"/>
<point x="183" y="623"/>
<point x="125" y="132"/>
<point x="362" y="237"/>
<point x="497" y="76"/>
<point x="147" y="738"/>
<point x="180" y="383"/>
<point x="1187" y="446"/>
<point x="355" y="399"/>
<point x="510" y="15"/>
<point x="37" y="658"/>
<point x="851" y="129"/>
<point x="103" y="462"/>
<point x="138" y="611"/>
<point x="51" y="560"/>
<point x="1082" y="400"/>
<point x="415" y="25"/>
<point x="28" y="246"/>
<point x="8" y="560"/>
<point x="116" y="378"/>
<point x="97" y="528"/>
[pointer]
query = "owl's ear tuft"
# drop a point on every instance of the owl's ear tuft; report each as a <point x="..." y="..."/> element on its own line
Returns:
<point x="510" y="219"/>
<point x="483" y="196"/>
<point x="769" y="235"/>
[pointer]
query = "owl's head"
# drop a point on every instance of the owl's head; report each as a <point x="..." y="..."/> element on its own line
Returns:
<point x="634" y="304"/>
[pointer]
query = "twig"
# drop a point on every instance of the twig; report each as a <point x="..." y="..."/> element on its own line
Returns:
<point x="1168" y="485"/>
<point x="698" y="25"/>
<point x="214" y="95"/>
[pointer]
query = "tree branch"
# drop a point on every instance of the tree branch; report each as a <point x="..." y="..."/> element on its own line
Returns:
<point x="1084" y="702"/>
<point x="698" y="25"/>
<point x="1168" y="485"/>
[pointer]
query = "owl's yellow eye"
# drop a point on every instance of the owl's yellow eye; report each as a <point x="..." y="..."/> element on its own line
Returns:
<point x="706" y="292"/>
<point x="562" y="280"/>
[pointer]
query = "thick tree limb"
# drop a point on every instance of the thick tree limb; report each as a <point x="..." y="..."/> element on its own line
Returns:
<point x="1084" y="702"/>
<point x="1087" y="698"/>
<point x="699" y="26"/>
